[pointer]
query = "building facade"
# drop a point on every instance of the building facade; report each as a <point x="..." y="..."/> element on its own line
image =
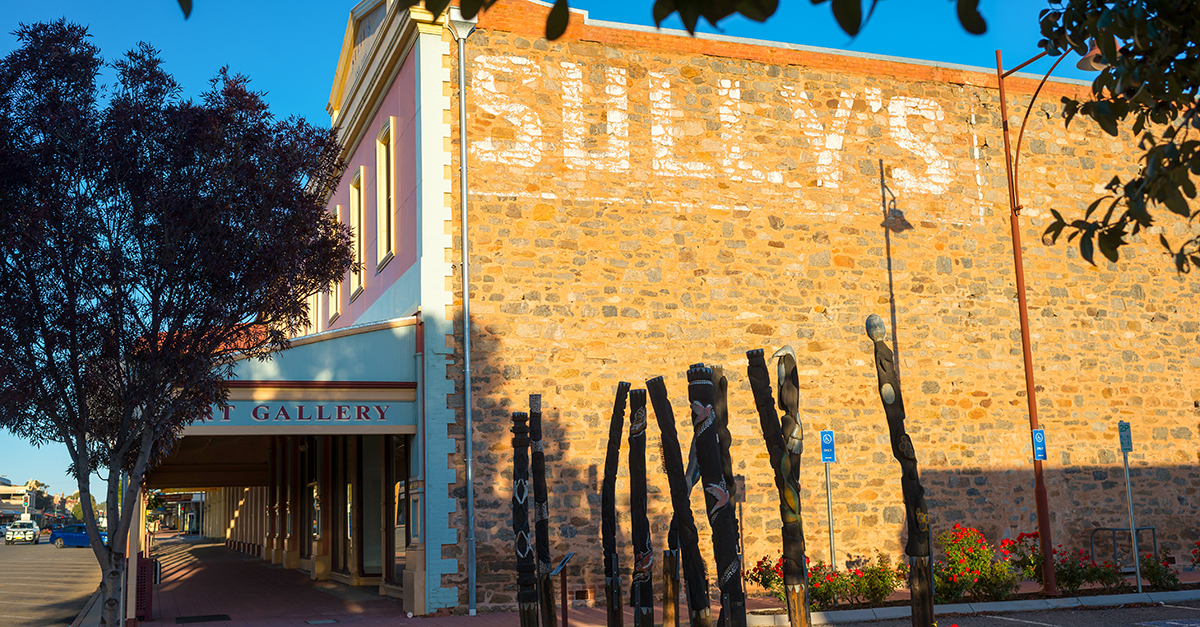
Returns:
<point x="639" y="201"/>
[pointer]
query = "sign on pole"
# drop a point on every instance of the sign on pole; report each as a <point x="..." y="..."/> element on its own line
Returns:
<point x="827" y="453"/>
<point x="1126" y="448"/>
<point x="1039" y="444"/>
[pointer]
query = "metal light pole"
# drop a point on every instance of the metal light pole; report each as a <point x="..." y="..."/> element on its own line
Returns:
<point x="462" y="27"/>
<point x="1012" y="161"/>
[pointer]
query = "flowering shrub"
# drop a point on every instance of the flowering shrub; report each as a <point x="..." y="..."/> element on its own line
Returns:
<point x="1025" y="555"/>
<point x="825" y="586"/>
<point x="1071" y="569"/>
<point x="1196" y="555"/>
<point x="970" y="568"/>
<point x="1108" y="575"/>
<point x="874" y="583"/>
<point x="768" y="573"/>
<point x="1158" y="571"/>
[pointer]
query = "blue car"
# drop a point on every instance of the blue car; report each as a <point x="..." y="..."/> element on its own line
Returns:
<point x="73" y="535"/>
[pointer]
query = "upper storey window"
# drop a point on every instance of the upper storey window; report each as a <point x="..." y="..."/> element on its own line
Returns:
<point x="385" y="186"/>
<point x="356" y="228"/>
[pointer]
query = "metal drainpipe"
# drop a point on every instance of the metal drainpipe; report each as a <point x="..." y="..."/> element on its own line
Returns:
<point x="462" y="29"/>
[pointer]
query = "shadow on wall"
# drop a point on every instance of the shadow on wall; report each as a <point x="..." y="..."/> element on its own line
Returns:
<point x="868" y="509"/>
<point x="1000" y="503"/>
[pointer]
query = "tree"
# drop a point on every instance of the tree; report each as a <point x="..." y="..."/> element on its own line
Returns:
<point x="848" y="13"/>
<point x="39" y="499"/>
<point x="1152" y="52"/>
<point x="77" y="508"/>
<point x="147" y="241"/>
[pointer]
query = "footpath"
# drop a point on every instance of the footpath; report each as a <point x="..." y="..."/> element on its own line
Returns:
<point x="207" y="585"/>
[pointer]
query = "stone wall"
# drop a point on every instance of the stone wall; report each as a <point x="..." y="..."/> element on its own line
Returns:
<point x="645" y="201"/>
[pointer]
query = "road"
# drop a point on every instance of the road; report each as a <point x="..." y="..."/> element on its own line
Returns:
<point x="41" y="585"/>
<point x="1182" y="614"/>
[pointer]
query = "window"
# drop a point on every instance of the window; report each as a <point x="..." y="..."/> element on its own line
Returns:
<point x="314" y="314"/>
<point x="356" y="227"/>
<point x="335" y="289"/>
<point x="385" y="191"/>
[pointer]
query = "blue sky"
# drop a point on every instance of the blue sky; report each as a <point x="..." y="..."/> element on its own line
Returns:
<point x="290" y="50"/>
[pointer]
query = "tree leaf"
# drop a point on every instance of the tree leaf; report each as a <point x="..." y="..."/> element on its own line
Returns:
<point x="849" y="15"/>
<point x="436" y="6"/>
<point x="758" y="10"/>
<point x="1086" y="250"/>
<point x="186" y="5"/>
<point x="556" y="22"/>
<point x="470" y="8"/>
<point x="1110" y="241"/>
<point x="969" y="17"/>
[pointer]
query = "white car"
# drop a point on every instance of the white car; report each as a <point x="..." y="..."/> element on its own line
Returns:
<point x="22" y="531"/>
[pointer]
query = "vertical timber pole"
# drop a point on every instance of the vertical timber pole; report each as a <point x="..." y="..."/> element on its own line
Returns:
<point x="1014" y="214"/>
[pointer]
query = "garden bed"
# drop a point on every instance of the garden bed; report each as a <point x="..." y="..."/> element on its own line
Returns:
<point x="904" y="601"/>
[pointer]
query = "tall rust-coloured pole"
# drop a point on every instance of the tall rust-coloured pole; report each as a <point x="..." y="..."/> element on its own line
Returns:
<point x="527" y="599"/>
<point x="1014" y="214"/>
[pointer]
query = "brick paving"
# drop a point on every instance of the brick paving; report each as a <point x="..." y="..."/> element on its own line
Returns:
<point x="203" y="578"/>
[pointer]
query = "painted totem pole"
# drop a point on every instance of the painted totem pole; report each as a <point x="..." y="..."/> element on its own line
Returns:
<point x="608" y="509"/>
<point x="641" y="590"/>
<point x="721" y="516"/>
<point x="684" y="526"/>
<point x="527" y="600"/>
<point x="784" y="451"/>
<point x="917" y="546"/>
<point x="541" y="513"/>
<point x="670" y="579"/>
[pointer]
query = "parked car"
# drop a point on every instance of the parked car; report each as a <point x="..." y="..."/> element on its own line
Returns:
<point x="22" y="531"/>
<point x="73" y="535"/>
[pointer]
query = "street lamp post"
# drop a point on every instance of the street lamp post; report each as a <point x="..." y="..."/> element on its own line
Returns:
<point x="1012" y="161"/>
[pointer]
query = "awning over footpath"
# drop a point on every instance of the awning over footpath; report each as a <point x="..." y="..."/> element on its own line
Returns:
<point x="356" y="380"/>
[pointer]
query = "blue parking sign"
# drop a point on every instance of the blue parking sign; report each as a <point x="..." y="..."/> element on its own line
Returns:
<point x="827" y="454"/>
<point x="1039" y="444"/>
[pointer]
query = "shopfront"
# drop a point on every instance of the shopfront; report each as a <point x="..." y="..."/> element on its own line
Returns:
<point x="312" y="463"/>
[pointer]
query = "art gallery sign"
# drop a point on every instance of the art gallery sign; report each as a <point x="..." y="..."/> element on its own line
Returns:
<point x="276" y="407"/>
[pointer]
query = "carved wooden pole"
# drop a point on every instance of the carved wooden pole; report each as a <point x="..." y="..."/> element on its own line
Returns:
<point x="721" y="515"/>
<point x="641" y="590"/>
<point x="527" y="600"/>
<point x="670" y="578"/>
<point x="917" y="547"/>
<point x="541" y="514"/>
<point x="694" y="574"/>
<point x="608" y="509"/>
<point x="785" y="459"/>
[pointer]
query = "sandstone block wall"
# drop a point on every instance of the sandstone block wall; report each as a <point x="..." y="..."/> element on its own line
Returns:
<point x="642" y="201"/>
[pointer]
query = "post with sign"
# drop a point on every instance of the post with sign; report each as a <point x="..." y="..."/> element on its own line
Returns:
<point x="1039" y="445"/>
<point x="1127" y="446"/>
<point x="828" y="456"/>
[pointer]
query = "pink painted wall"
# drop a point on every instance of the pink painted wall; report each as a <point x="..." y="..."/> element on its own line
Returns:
<point x="400" y="102"/>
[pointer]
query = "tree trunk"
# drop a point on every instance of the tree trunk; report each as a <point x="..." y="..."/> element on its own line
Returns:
<point x="111" y="589"/>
